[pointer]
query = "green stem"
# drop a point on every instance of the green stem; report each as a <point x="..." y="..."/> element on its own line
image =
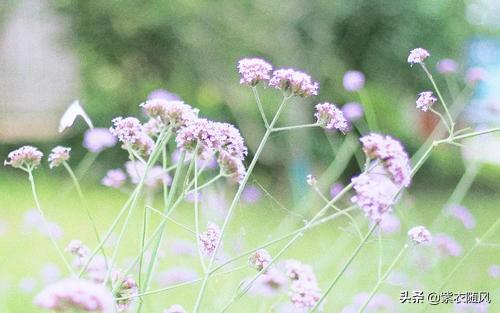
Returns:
<point x="344" y="268"/>
<point x="197" y="213"/>
<point x="441" y="117"/>
<point x="383" y="278"/>
<point x="45" y="222"/>
<point x="295" y="127"/>
<point x="237" y="198"/>
<point x="259" y="105"/>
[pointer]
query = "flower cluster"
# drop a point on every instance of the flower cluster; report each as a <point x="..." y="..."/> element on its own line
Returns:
<point x="126" y="291"/>
<point x="374" y="194"/>
<point x="330" y="117"/>
<point x="209" y="239"/>
<point x="58" y="156"/>
<point x="447" y="245"/>
<point x="420" y="234"/>
<point x="425" y="100"/>
<point x="114" y="178"/>
<point x="418" y="55"/>
<point x="98" y="139"/>
<point x="296" y="82"/>
<point x="304" y="292"/>
<point x="26" y="157"/>
<point x="76" y="294"/>
<point x="392" y="155"/>
<point x="78" y="249"/>
<point x="353" y="80"/>
<point x="447" y="66"/>
<point x="171" y="113"/>
<point x="131" y="133"/>
<point x="260" y="259"/>
<point x="253" y="71"/>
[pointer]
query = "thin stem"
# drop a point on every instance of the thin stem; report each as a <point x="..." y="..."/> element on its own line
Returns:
<point x="45" y="222"/>
<point x="441" y="117"/>
<point x="237" y="198"/>
<point x="84" y="204"/>
<point x="85" y="164"/>
<point x="380" y="251"/>
<point x="208" y="183"/>
<point x="344" y="268"/>
<point x="170" y="219"/>
<point x="295" y="127"/>
<point x="492" y="130"/>
<point x="383" y="278"/>
<point x="429" y="75"/>
<point x="197" y="213"/>
<point x="259" y="105"/>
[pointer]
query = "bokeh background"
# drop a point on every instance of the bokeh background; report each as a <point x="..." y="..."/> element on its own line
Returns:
<point x="112" y="54"/>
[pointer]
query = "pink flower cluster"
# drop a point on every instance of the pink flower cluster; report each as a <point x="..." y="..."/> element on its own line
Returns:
<point x="130" y="132"/>
<point x="374" y="194"/>
<point x="418" y="55"/>
<point x="58" y="156"/>
<point x="420" y="234"/>
<point x="114" y="178"/>
<point x="171" y="113"/>
<point x="98" y="139"/>
<point x="26" y="157"/>
<point x="353" y="80"/>
<point x="126" y="291"/>
<point x="425" y="100"/>
<point x="330" y="117"/>
<point x="296" y="82"/>
<point x="260" y="259"/>
<point x="304" y="292"/>
<point x="253" y="71"/>
<point x="209" y="239"/>
<point x="76" y="294"/>
<point x="392" y="155"/>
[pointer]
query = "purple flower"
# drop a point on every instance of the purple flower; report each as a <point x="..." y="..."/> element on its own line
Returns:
<point x="353" y="111"/>
<point x="128" y="130"/>
<point x="425" y="100"/>
<point x="78" y="249"/>
<point x="231" y="167"/>
<point x="58" y="156"/>
<point x="253" y="71"/>
<point x="176" y="308"/>
<point x="392" y="155"/>
<point x="335" y="189"/>
<point x="209" y="239"/>
<point x="155" y="177"/>
<point x="251" y="194"/>
<point x="418" y="55"/>
<point x="447" y="246"/>
<point x="353" y="80"/>
<point x="447" y="66"/>
<point x="127" y="288"/>
<point x="304" y="294"/>
<point x="330" y="117"/>
<point x="163" y="94"/>
<point x="26" y="157"/>
<point x="50" y="273"/>
<point x="475" y="74"/>
<point x="260" y="259"/>
<point x="494" y="271"/>
<point x="201" y="134"/>
<point x="114" y="178"/>
<point x="269" y="284"/>
<point x="462" y="214"/>
<point x="230" y="140"/>
<point x="297" y="83"/>
<point x="390" y="224"/>
<point x="171" y="113"/>
<point x="98" y="139"/>
<point x="153" y="127"/>
<point x="420" y="234"/>
<point x="76" y="294"/>
<point x="296" y="270"/>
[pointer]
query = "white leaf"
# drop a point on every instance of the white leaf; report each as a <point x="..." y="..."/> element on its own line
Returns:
<point x="70" y="115"/>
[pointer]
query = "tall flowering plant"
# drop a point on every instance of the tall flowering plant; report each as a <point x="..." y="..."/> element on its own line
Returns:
<point x="208" y="151"/>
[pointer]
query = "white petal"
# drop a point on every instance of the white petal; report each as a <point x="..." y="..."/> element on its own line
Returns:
<point x="70" y="115"/>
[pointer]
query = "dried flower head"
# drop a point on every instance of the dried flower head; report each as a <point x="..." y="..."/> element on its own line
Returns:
<point x="297" y="83"/>
<point x="172" y="113"/>
<point x="26" y="157"/>
<point x="425" y="100"/>
<point x="330" y="117"/>
<point x="58" y="156"/>
<point x="114" y="178"/>
<point x="420" y="234"/>
<point x="76" y="294"/>
<point x="253" y="70"/>
<point x="128" y="130"/>
<point x="392" y="155"/>
<point x="209" y="239"/>
<point x="176" y="308"/>
<point x="260" y="259"/>
<point x="311" y="180"/>
<point x="98" y="139"/>
<point x="418" y="55"/>
<point x="353" y="80"/>
<point x="447" y="66"/>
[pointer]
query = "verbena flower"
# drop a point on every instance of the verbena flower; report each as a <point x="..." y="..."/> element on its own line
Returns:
<point x="420" y="234"/>
<point x="296" y="270"/>
<point x="209" y="239"/>
<point x="304" y="294"/>
<point x="311" y="180"/>
<point x="58" y="156"/>
<point x="98" y="139"/>
<point x="418" y="55"/>
<point x="330" y="117"/>
<point x="176" y="308"/>
<point x="201" y="134"/>
<point x="231" y="167"/>
<point x="474" y="75"/>
<point x="128" y="130"/>
<point x="389" y="224"/>
<point x="78" y="249"/>
<point x="260" y="259"/>
<point x="155" y="177"/>
<point x="153" y="127"/>
<point x="253" y="70"/>
<point x="269" y="284"/>
<point x="447" y="66"/>
<point x="144" y="145"/>
<point x="76" y="294"/>
<point x="392" y="155"/>
<point x="374" y="194"/>
<point x="353" y="111"/>
<point x="172" y="113"/>
<point x="447" y="245"/>
<point x="425" y="100"/>
<point x="26" y="157"/>
<point x="353" y="80"/>
<point x="462" y="214"/>
<point x="127" y="288"/>
<point x="251" y="194"/>
<point x="230" y="140"/>
<point x="114" y="178"/>
<point x="297" y="83"/>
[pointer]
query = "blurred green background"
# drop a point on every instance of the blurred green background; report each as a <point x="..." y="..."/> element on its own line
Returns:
<point x="125" y="49"/>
